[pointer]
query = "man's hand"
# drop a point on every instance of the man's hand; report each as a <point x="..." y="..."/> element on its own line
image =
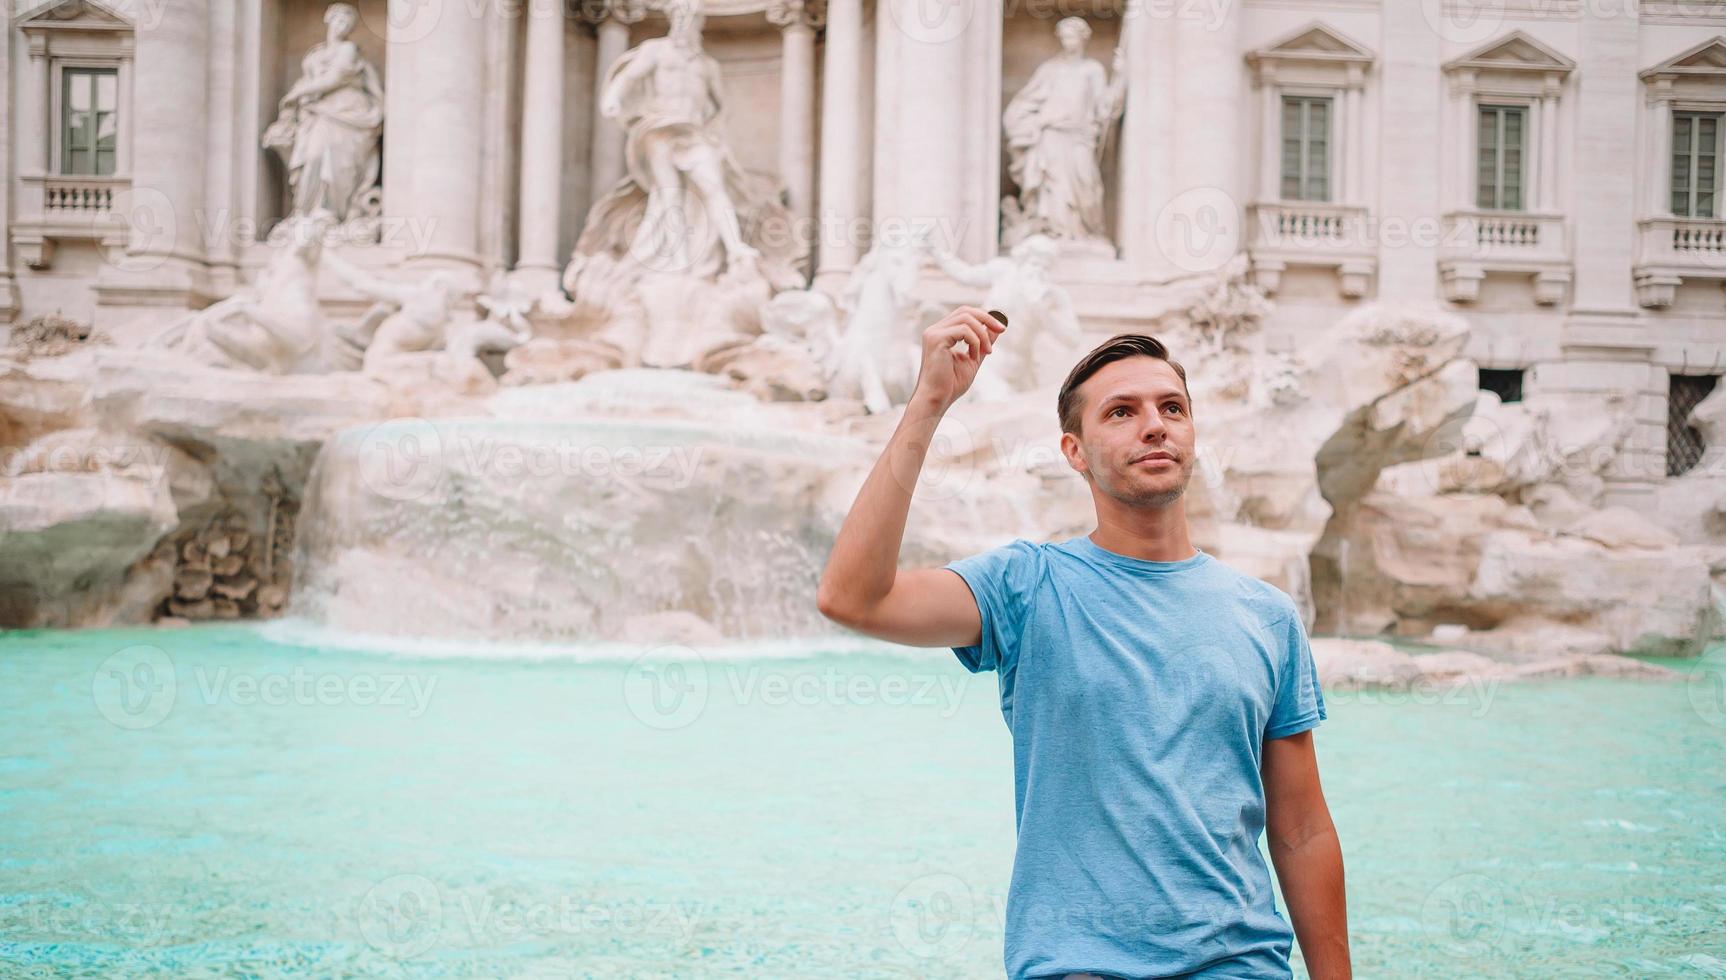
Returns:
<point x="948" y="371"/>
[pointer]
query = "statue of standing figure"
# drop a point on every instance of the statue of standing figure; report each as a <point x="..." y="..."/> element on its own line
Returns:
<point x="1056" y="128"/>
<point x="677" y="209"/>
<point x="330" y="129"/>
<point x="678" y="259"/>
<point x="1039" y="309"/>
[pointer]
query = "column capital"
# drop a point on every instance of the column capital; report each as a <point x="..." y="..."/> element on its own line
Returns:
<point x="788" y="14"/>
<point x="597" y="12"/>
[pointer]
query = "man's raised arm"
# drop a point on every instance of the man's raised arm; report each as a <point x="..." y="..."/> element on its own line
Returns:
<point x="862" y="586"/>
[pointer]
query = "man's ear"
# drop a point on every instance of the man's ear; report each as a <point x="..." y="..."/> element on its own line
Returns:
<point x="1071" y="449"/>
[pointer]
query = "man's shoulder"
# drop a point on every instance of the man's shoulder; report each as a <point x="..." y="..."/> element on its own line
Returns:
<point x="1270" y="603"/>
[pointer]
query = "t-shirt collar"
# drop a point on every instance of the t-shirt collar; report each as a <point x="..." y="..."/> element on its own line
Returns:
<point x="1083" y="545"/>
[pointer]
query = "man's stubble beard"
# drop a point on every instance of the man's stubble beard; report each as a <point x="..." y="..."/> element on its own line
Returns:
<point x="1134" y="496"/>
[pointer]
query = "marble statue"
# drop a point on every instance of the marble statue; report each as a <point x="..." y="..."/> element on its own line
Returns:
<point x="330" y="128"/>
<point x="273" y="324"/>
<point x="678" y="258"/>
<point x="1056" y="128"/>
<point x="406" y="317"/>
<point x="1039" y="309"/>
<point x="878" y="302"/>
<point x="505" y="327"/>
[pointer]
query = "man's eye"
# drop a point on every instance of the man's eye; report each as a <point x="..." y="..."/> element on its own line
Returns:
<point x="1173" y="405"/>
<point x="1118" y="409"/>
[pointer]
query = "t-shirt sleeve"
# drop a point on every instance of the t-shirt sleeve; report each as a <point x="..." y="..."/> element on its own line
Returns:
<point x="1000" y="581"/>
<point x="1299" y="701"/>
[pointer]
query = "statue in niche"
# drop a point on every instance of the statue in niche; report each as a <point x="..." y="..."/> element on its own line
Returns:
<point x="273" y="325"/>
<point x="679" y="257"/>
<point x="1056" y="128"/>
<point x="330" y="128"/>
<point x="1039" y="310"/>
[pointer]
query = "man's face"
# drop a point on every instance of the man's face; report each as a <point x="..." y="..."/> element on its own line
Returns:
<point x="1136" y="438"/>
<point x="1072" y="39"/>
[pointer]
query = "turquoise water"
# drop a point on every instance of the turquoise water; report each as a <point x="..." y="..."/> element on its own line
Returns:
<point x="214" y="802"/>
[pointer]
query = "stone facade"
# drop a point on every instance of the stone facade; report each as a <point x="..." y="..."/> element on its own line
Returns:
<point x="882" y="115"/>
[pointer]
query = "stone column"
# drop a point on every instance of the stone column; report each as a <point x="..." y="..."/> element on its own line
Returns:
<point x="1549" y="155"/>
<point x="1270" y="126"/>
<point x="920" y="84"/>
<point x="1147" y="158"/>
<point x="33" y="105"/>
<point x="220" y="151"/>
<point x="164" y="262"/>
<point x="537" y="261"/>
<point x="1660" y="172"/>
<point x="837" y="245"/>
<point x="447" y="141"/>
<point x="1410" y="192"/>
<point x="1607" y="367"/>
<point x="797" y="21"/>
<point x="1354" y="170"/>
<point x="9" y="305"/>
<point x="1208" y="80"/>
<point x="612" y="28"/>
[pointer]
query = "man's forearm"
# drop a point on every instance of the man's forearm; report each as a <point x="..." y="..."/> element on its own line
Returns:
<point x="865" y="554"/>
<point x="1311" y="876"/>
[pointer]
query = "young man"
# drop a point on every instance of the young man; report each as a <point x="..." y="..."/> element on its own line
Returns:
<point x="1160" y="702"/>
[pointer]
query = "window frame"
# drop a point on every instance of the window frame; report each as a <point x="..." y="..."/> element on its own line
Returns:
<point x="1308" y="94"/>
<point x="1694" y="110"/>
<point x="64" y="72"/>
<point x="56" y="112"/>
<point x="1483" y="103"/>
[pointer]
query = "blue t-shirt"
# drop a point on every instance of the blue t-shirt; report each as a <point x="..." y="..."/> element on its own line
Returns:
<point x="1139" y="695"/>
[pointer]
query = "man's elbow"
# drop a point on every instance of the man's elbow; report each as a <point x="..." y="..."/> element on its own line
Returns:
<point x="835" y="606"/>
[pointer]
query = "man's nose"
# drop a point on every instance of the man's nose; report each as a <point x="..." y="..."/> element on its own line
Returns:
<point x="1153" y="430"/>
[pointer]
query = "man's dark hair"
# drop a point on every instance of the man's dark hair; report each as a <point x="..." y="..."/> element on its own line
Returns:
<point x="1116" y="348"/>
